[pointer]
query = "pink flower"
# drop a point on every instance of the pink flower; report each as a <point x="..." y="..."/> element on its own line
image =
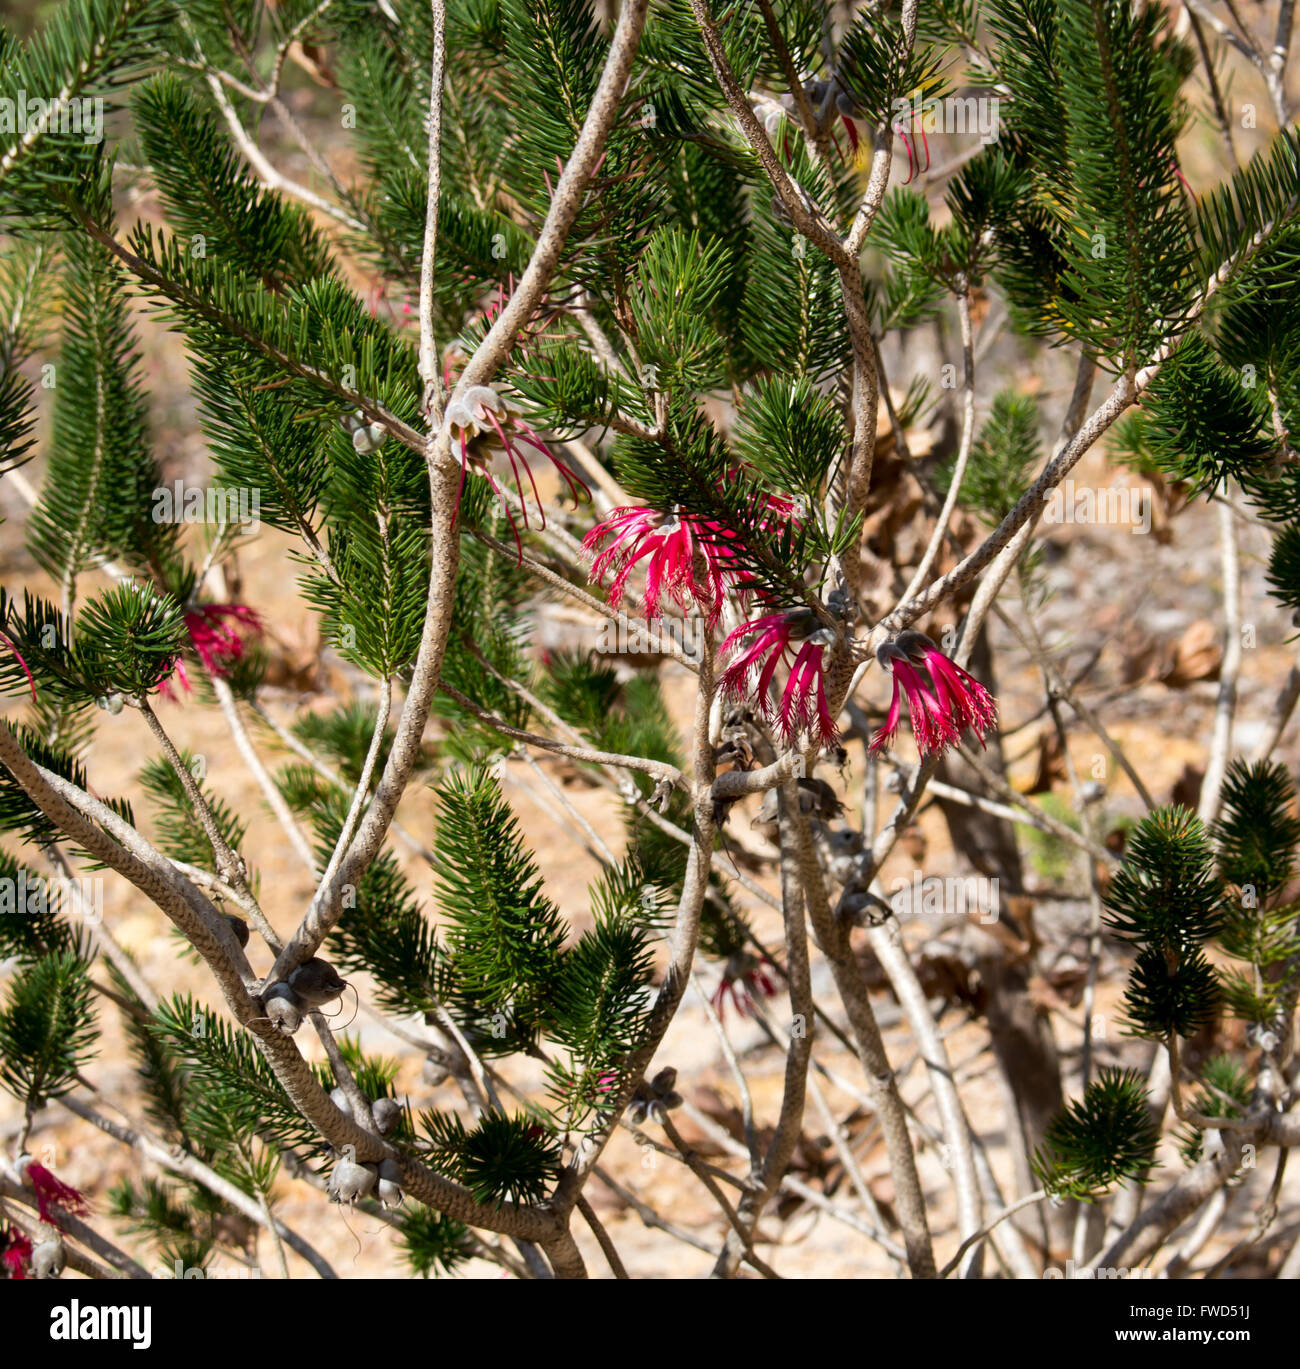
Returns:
<point x="777" y="509"/>
<point x="52" y="1190"/>
<point x="914" y="166"/>
<point x="803" y="704"/>
<point x="670" y="541"/>
<point x="481" y="413"/>
<point x="214" y="638"/>
<point x="745" y="977"/>
<point x="217" y="643"/>
<point x="941" y="710"/>
<point x="15" y="1253"/>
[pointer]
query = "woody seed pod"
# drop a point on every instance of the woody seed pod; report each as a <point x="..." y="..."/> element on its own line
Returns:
<point x="283" y="1008"/>
<point x="817" y="797"/>
<point x="387" y="1113"/>
<point x="664" y="1079"/>
<point x="390" y="1183"/>
<point x="316" y="982"/>
<point x="351" y="1181"/>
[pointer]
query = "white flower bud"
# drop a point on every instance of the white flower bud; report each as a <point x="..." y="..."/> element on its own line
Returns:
<point x="390" y="1183"/>
<point x="368" y="439"/>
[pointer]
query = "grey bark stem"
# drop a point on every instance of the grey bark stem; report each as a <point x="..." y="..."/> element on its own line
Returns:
<point x="1225" y="707"/>
<point x="685" y="936"/>
<point x="832" y="935"/>
<point x="428" y="355"/>
<point x="798" y="871"/>
<point x="887" y="942"/>
<point x="274" y="799"/>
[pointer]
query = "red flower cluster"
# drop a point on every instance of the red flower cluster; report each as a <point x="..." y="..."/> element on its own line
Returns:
<point x="51" y="1193"/>
<point x="15" y="1253"/>
<point x="803" y="704"/>
<point x="940" y="710"/>
<point x="745" y="977"/>
<point x="50" y="1190"/>
<point x="671" y="542"/>
<point x="213" y="635"/>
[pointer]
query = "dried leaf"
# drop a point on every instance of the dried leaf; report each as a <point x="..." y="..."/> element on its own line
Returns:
<point x="1196" y="656"/>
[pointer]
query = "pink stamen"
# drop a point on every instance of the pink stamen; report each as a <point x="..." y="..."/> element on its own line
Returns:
<point x="52" y="1191"/>
<point x="578" y="487"/>
<point x="510" y="456"/>
<point x="851" y="131"/>
<point x="510" y="518"/>
<point x="464" y="471"/>
<point x="510" y="444"/>
<point x="18" y="656"/>
<point x="911" y="161"/>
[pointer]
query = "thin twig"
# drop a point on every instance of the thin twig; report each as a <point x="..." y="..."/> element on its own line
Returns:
<point x="428" y="354"/>
<point x="1226" y="704"/>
